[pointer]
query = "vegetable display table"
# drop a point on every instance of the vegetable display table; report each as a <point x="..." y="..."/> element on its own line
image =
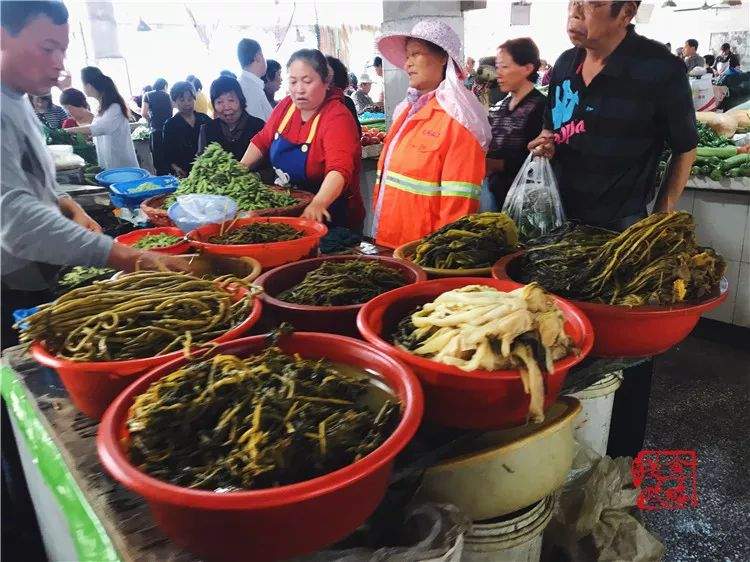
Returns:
<point x="82" y="513"/>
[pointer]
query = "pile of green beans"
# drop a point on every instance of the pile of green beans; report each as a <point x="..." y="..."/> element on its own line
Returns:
<point x="138" y="315"/>
<point x="156" y="241"/>
<point x="217" y="172"/>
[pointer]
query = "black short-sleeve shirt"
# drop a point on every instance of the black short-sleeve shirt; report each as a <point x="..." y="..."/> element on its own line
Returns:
<point x="609" y="135"/>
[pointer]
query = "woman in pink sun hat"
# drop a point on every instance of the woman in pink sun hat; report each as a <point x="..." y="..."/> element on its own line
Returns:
<point x="433" y="160"/>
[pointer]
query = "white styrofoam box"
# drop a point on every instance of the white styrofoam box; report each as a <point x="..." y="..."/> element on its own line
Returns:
<point x="686" y="201"/>
<point x="746" y="241"/>
<point x="724" y="312"/>
<point x="741" y="314"/>
<point x="720" y="222"/>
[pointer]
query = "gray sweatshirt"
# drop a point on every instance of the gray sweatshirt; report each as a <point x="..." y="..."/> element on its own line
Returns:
<point x="33" y="231"/>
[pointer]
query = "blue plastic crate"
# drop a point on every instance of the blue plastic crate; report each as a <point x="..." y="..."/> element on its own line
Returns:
<point x="121" y="196"/>
<point x="22" y="314"/>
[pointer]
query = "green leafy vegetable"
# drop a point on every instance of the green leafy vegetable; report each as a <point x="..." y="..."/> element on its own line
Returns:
<point x="227" y="423"/>
<point x="257" y="233"/>
<point x="339" y="283"/>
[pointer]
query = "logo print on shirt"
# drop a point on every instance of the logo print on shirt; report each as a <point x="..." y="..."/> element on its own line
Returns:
<point x="566" y="101"/>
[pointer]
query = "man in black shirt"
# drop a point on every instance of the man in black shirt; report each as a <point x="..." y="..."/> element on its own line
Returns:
<point x="614" y="100"/>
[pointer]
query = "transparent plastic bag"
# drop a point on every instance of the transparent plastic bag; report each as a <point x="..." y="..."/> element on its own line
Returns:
<point x="434" y="532"/>
<point x="533" y="201"/>
<point x="193" y="211"/>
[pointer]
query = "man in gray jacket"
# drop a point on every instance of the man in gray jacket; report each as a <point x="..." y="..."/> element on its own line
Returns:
<point x="39" y="229"/>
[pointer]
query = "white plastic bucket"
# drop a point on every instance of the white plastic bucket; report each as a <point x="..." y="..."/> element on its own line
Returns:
<point x="592" y="424"/>
<point x="512" y="538"/>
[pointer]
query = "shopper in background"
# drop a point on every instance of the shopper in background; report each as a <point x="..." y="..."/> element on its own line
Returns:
<point x="202" y="103"/>
<point x="156" y="109"/>
<point x="433" y="160"/>
<point x="471" y="72"/>
<point x="353" y="83"/>
<point x="49" y="114"/>
<point x="486" y="88"/>
<point x="312" y="143"/>
<point x="40" y="230"/>
<point x="232" y="126"/>
<point x="253" y="65"/>
<point x="727" y="62"/>
<point x="228" y="73"/>
<point x="111" y="126"/>
<point x="710" y="62"/>
<point x="377" y="93"/>
<point x="691" y="56"/>
<point x="339" y="78"/>
<point x="615" y="101"/>
<point x="136" y="102"/>
<point x="543" y="72"/>
<point x="362" y="100"/>
<point x="518" y="118"/>
<point x="182" y="130"/>
<point x="272" y="80"/>
<point x="75" y="103"/>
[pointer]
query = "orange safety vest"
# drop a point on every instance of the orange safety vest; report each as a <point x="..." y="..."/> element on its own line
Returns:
<point x="434" y="176"/>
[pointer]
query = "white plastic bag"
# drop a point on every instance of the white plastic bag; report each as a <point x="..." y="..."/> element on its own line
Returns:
<point x="193" y="211"/>
<point x="533" y="201"/>
<point x="704" y="98"/>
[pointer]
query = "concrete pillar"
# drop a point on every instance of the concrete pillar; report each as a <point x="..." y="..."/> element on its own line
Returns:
<point x="400" y="17"/>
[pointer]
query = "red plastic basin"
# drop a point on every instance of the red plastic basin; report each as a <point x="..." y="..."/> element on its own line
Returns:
<point x="181" y="247"/>
<point x="271" y="254"/>
<point x="328" y="319"/>
<point x="467" y="399"/>
<point x="623" y="331"/>
<point x="93" y="385"/>
<point x="274" y="523"/>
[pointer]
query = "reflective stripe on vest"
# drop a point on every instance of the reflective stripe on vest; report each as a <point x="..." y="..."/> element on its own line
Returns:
<point x="429" y="188"/>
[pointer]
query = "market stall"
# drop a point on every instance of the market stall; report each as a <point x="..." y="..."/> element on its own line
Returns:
<point x="234" y="411"/>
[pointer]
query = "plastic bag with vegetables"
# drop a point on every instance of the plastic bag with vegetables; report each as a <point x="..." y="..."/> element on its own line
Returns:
<point x="533" y="201"/>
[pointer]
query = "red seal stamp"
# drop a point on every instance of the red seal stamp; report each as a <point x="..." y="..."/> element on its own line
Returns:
<point x="667" y="479"/>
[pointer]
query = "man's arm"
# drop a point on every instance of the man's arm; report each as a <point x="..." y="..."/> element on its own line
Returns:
<point x="675" y="178"/>
<point x="675" y="109"/>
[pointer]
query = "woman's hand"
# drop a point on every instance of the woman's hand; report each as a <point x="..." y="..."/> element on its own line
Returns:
<point x="75" y="212"/>
<point x="125" y="258"/>
<point x="316" y="211"/>
<point x="543" y="145"/>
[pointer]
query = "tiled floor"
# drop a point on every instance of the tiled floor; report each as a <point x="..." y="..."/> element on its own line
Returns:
<point x="699" y="401"/>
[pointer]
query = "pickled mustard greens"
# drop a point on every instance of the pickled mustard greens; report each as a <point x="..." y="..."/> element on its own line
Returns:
<point x="339" y="283"/>
<point x="156" y="241"/>
<point x="227" y="423"/>
<point x="473" y="241"/>
<point x="137" y="315"/>
<point x="217" y="172"/>
<point x="478" y="327"/>
<point x="654" y="262"/>
<point x="257" y="233"/>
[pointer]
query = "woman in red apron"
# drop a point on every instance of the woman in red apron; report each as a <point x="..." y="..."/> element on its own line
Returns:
<point x="312" y="143"/>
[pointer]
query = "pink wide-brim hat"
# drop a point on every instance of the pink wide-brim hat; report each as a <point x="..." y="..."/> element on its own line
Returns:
<point x="393" y="45"/>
